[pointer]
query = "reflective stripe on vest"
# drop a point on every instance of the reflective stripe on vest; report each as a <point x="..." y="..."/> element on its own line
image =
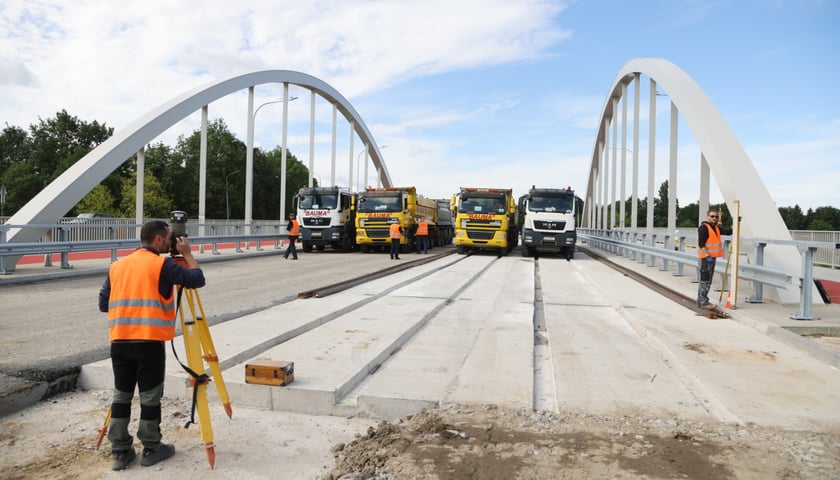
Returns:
<point x="714" y="246"/>
<point x="395" y="231"/>
<point x="136" y="309"/>
<point x="422" y="228"/>
<point x="295" y="231"/>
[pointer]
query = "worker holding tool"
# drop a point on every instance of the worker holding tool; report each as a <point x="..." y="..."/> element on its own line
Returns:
<point x="709" y="249"/>
<point x="138" y="296"/>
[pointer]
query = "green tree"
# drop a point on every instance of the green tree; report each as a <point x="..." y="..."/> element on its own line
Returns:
<point x="823" y="218"/>
<point x="225" y="154"/>
<point x="793" y="217"/>
<point x="688" y="215"/>
<point x="99" y="199"/>
<point x="660" y="206"/>
<point x="157" y="203"/>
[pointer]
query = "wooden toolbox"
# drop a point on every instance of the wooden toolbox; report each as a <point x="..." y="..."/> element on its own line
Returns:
<point x="269" y="372"/>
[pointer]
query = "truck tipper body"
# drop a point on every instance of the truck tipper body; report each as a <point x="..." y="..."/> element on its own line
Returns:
<point x="485" y="219"/>
<point x="326" y="218"/>
<point x="378" y="208"/>
<point x="548" y="217"/>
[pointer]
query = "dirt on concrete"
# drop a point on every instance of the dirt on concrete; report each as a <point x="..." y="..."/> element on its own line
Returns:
<point x="56" y="439"/>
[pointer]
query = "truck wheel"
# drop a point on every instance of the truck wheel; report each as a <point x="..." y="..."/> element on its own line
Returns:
<point x="461" y="250"/>
<point x="570" y="253"/>
<point x="525" y="251"/>
<point x="307" y="247"/>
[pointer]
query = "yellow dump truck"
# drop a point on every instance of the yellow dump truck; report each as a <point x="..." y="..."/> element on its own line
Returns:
<point x="378" y="208"/>
<point x="485" y="219"/>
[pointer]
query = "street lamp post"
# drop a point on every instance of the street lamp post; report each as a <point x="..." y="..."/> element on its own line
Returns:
<point x="249" y="156"/>
<point x="358" y="169"/>
<point x="227" y="194"/>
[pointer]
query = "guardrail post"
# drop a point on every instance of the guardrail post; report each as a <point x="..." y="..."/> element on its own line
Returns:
<point x="277" y="240"/>
<point x="680" y="248"/>
<point x="112" y="232"/>
<point x="806" y="286"/>
<point x="238" y="243"/>
<point x="214" y="245"/>
<point x="758" y="287"/>
<point x="65" y="256"/>
<point x="653" y="245"/>
<point x="257" y="241"/>
<point x="642" y="254"/>
<point x="635" y="237"/>
<point x="666" y="246"/>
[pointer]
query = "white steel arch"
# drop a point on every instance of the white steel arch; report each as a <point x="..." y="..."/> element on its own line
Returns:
<point x="71" y="186"/>
<point x="726" y="158"/>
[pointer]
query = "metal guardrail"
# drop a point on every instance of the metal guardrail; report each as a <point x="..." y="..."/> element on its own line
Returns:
<point x="643" y="244"/>
<point x="234" y="233"/>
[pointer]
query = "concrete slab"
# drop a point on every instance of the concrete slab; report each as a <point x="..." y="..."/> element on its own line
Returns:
<point x="756" y="363"/>
<point x="428" y="371"/>
<point x="499" y="368"/>
<point x="600" y="365"/>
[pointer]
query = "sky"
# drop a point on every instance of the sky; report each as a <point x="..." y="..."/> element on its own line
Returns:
<point x="471" y="93"/>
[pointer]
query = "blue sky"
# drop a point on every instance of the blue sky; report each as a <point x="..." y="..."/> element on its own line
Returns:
<point x="487" y="93"/>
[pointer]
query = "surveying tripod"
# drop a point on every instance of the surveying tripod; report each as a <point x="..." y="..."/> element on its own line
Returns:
<point x="199" y="348"/>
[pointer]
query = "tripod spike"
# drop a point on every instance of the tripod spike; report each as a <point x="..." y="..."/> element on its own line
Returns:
<point x="210" y="450"/>
<point x="228" y="410"/>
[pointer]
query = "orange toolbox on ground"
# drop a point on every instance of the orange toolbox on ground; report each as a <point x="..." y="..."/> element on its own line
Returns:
<point x="269" y="372"/>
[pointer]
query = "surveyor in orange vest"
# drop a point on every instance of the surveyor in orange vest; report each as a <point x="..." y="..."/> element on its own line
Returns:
<point x="138" y="296"/>
<point x="422" y="236"/>
<point x="293" y="227"/>
<point x="709" y="249"/>
<point x="395" y="231"/>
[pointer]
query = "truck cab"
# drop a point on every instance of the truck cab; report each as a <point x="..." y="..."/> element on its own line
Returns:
<point x="548" y="217"/>
<point x="378" y="208"/>
<point x="326" y="218"/>
<point x="485" y="219"/>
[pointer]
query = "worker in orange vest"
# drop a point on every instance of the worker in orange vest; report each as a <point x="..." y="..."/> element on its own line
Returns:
<point x="138" y="296"/>
<point x="422" y="236"/>
<point x="709" y="249"/>
<point x="293" y="227"/>
<point x="395" y="231"/>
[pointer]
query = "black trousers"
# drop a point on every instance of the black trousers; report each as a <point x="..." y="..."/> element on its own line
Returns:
<point x="143" y="365"/>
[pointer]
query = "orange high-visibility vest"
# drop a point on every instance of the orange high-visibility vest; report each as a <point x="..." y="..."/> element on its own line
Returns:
<point x="136" y="309"/>
<point x="422" y="228"/>
<point x="295" y="231"/>
<point x="714" y="245"/>
<point x="395" y="231"/>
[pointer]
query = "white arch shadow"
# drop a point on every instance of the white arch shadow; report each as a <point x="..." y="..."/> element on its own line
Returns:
<point x="732" y="168"/>
<point x="57" y="198"/>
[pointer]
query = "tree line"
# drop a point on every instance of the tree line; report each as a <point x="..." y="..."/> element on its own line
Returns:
<point x="31" y="159"/>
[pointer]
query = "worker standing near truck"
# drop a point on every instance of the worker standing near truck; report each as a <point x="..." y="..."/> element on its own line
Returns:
<point x="422" y="236"/>
<point x="396" y="235"/>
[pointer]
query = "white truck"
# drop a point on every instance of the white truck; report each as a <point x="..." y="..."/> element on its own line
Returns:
<point x="548" y="217"/>
<point x="326" y="218"/>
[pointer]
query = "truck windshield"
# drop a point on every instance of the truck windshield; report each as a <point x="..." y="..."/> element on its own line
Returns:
<point x="380" y="203"/>
<point x="318" y="200"/>
<point x="550" y="204"/>
<point x="473" y="204"/>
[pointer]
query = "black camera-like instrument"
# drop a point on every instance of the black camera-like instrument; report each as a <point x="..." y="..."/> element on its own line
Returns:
<point x="177" y="228"/>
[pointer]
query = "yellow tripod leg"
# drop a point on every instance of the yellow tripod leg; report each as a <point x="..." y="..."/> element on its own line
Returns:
<point x="103" y="429"/>
<point x="192" y="346"/>
<point x="211" y="357"/>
